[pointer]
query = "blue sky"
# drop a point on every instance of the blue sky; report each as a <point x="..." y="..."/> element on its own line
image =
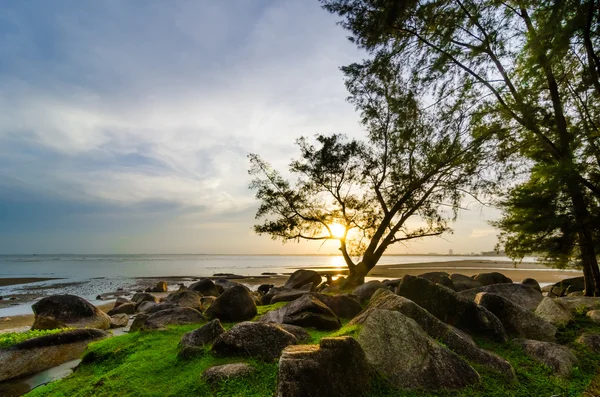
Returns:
<point x="125" y="124"/>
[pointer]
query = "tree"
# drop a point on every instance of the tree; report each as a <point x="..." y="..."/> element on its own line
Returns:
<point x="412" y="165"/>
<point x="527" y="71"/>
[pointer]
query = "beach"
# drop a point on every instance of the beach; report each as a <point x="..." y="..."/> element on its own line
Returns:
<point x="16" y="315"/>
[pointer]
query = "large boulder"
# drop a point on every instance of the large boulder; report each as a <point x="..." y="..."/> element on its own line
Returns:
<point x="336" y="367"/>
<point x="407" y="357"/>
<point x="119" y="320"/>
<point x="554" y="313"/>
<point x="144" y="297"/>
<point x="306" y="311"/>
<point x="343" y="306"/>
<point x="579" y="304"/>
<point x="68" y="311"/>
<point x="594" y="315"/>
<point x="264" y="341"/>
<point x="145" y="306"/>
<point x="125" y="308"/>
<point x="227" y="371"/>
<point x="205" y="287"/>
<point x="303" y="277"/>
<point x="462" y="282"/>
<point x="138" y="322"/>
<point x="456" y="340"/>
<point x="442" y="278"/>
<point x="234" y="304"/>
<point x="532" y="283"/>
<point x="37" y="354"/>
<point x="366" y="290"/>
<point x="161" y="286"/>
<point x="204" y="335"/>
<point x="566" y="286"/>
<point x="492" y="278"/>
<point x="522" y="295"/>
<point x="452" y="308"/>
<point x="176" y="316"/>
<point x="184" y="299"/>
<point x="518" y="322"/>
<point x="559" y="358"/>
<point x="591" y="341"/>
<point x="285" y="294"/>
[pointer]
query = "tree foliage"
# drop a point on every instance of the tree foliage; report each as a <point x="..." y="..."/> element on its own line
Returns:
<point x="412" y="165"/>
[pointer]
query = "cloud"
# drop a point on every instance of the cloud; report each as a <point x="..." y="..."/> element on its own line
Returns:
<point x="478" y="233"/>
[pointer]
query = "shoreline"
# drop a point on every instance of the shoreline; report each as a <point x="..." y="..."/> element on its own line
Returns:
<point x="5" y="282"/>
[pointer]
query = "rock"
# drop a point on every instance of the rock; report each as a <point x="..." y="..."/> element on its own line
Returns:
<point x="521" y="295"/>
<point x="300" y="333"/>
<point x="206" y="302"/>
<point x="160" y="307"/>
<point x="579" y="304"/>
<point x="143" y="297"/>
<point x="125" y="308"/>
<point x="234" y="304"/>
<point x="67" y="311"/>
<point x="343" y="306"/>
<point x="286" y="296"/>
<point x="176" y="316"/>
<point x="205" y="287"/>
<point x="336" y="367"/>
<point x="462" y="282"/>
<point x="204" y="335"/>
<point x="518" y="322"/>
<point x="594" y="315"/>
<point x="222" y="284"/>
<point x="119" y="320"/>
<point x="454" y="339"/>
<point x="553" y="313"/>
<point x="144" y="306"/>
<point x="407" y="357"/>
<point x="559" y="358"/>
<point x="591" y="341"/>
<point x="138" y="322"/>
<point x="442" y="278"/>
<point x="492" y="278"/>
<point x="562" y="288"/>
<point x="452" y="308"/>
<point x="184" y="299"/>
<point x="161" y="286"/>
<point x="121" y="301"/>
<point x="261" y="340"/>
<point x="227" y="371"/>
<point x="392" y="284"/>
<point x="532" y="283"/>
<point x="264" y="288"/>
<point x="306" y="311"/>
<point x="37" y="354"/>
<point x="303" y="277"/>
<point x="366" y="290"/>
<point x="576" y="293"/>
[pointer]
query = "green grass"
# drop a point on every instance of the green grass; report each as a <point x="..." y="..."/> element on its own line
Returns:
<point x="146" y="364"/>
<point x="12" y="338"/>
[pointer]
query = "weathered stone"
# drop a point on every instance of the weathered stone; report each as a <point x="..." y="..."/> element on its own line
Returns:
<point x="138" y="322"/>
<point x="366" y="290"/>
<point x="462" y="282"/>
<point x="264" y="288"/>
<point x="261" y="340"/>
<point x="492" y="278"/>
<point x="521" y="295"/>
<point x="227" y="371"/>
<point x="119" y="301"/>
<point x="234" y="304"/>
<point x="306" y="311"/>
<point x="37" y="354"/>
<point x="532" y="283"/>
<point x="559" y="358"/>
<point x="442" y="278"/>
<point x="143" y="297"/>
<point x="579" y="304"/>
<point x="161" y="286"/>
<point x="222" y="284"/>
<point x="518" y="322"/>
<point x="119" y="320"/>
<point x="125" y="308"/>
<point x="454" y="339"/>
<point x="591" y="341"/>
<point x="184" y="299"/>
<point x="204" y="335"/>
<point x="176" y="316"/>
<point x="337" y="367"/>
<point x="300" y="333"/>
<point x="343" y="306"/>
<point x="594" y="315"/>
<point x="206" y="302"/>
<point x="564" y="287"/>
<point x="303" y="277"/>
<point x="407" y="357"/>
<point x="145" y="306"/>
<point x="555" y="314"/>
<point x="205" y="287"/>
<point x="452" y="308"/>
<point x="68" y="311"/>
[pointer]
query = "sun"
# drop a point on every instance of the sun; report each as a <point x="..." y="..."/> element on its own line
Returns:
<point x="337" y="230"/>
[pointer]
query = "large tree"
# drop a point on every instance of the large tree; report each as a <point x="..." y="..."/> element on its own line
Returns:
<point x="404" y="182"/>
<point x="527" y="71"/>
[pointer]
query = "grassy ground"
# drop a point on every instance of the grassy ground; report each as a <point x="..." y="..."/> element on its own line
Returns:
<point x="146" y="364"/>
<point x="12" y="338"/>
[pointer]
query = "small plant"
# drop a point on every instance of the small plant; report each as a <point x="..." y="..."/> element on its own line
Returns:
<point x="12" y="338"/>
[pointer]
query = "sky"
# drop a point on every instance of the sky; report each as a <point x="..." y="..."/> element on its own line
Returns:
<point x="125" y="124"/>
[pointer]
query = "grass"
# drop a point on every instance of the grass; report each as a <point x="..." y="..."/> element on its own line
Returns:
<point x="12" y="338"/>
<point x="146" y="364"/>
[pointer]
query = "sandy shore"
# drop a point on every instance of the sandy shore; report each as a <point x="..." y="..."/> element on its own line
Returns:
<point x="22" y="280"/>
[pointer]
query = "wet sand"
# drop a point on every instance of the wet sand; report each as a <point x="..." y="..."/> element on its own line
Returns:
<point x="15" y="281"/>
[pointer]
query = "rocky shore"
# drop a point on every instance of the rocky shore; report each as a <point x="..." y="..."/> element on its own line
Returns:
<point x="431" y="333"/>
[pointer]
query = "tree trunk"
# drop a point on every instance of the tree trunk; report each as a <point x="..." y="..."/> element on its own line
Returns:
<point x="591" y="273"/>
<point x="357" y="274"/>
